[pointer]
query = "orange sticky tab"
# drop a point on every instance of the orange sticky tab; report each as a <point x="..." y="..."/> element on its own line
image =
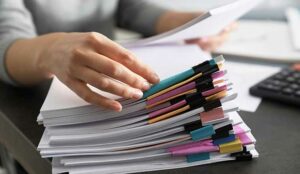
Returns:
<point x="218" y="95"/>
<point x="168" y="115"/>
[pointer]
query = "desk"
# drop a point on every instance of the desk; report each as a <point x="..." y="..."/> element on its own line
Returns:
<point x="275" y="126"/>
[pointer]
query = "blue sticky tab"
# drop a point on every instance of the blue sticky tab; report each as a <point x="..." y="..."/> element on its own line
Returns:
<point x="197" y="157"/>
<point x="168" y="82"/>
<point x="203" y="132"/>
<point x="228" y="139"/>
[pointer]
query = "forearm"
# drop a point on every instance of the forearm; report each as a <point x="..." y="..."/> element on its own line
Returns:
<point x="23" y="60"/>
<point x="172" y="19"/>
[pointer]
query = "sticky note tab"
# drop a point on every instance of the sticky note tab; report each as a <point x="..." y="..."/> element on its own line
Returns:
<point x="203" y="132"/>
<point x="197" y="157"/>
<point x="231" y="147"/>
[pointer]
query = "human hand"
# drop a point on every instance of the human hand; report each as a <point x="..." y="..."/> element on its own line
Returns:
<point x="211" y="43"/>
<point x="79" y="59"/>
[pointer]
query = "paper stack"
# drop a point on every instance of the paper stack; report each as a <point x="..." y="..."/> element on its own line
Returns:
<point x="188" y="119"/>
<point x="185" y="120"/>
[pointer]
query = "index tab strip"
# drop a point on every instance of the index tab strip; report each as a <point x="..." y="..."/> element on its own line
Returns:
<point x="245" y="155"/>
<point x="211" y="105"/>
<point x="197" y="157"/>
<point x="193" y="126"/>
<point x="202" y="133"/>
<point x="168" y="82"/>
<point x="231" y="147"/>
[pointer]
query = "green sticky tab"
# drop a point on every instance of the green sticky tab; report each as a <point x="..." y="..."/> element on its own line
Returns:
<point x="168" y="82"/>
<point x="197" y="157"/>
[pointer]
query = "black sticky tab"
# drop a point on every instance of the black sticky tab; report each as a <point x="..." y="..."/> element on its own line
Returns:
<point x="242" y="156"/>
<point x="219" y="135"/>
<point x="193" y="126"/>
<point x="211" y="70"/>
<point x="211" y="105"/>
<point x="178" y="99"/>
<point x="204" y="86"/>
<point x="224" y="128"/>
<point x="198" y="68"/>
<point x="194" y="96"/>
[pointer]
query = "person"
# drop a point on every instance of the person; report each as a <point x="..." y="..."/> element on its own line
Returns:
<point x="69" y="39"/>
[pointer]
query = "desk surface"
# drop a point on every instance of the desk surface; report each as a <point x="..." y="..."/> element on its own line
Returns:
<point x="276" y="127"/>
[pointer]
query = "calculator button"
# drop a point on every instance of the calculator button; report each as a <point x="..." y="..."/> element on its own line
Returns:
<point x="291" y="79"/>
<point x="269" y="87"/>
<point x="294" y="86"/>
<point x="297" y="93"/>
<point x="287" y="91"/>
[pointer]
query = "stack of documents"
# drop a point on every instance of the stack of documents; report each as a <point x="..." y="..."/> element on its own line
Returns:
<point x="188" y="119"/>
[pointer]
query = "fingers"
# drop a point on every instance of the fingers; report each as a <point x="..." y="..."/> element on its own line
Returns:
<point x="115" y="70"/>
<point x="81" y="89"/>
<point x="211" y="43"/>
<point x="107" y="84"/>
<point x="116" y="52"/>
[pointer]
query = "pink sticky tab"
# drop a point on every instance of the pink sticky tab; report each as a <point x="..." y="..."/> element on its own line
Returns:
<point x="167" y="109"/>
<point x="214" y="114"/>
<point x="195" y="149"/>
<point x="218" y="74"/>
<point x="214" y="91"/>
<point x="188" y="145"/>
<point x="244" y="139"/>
<point x="238" y="130"/>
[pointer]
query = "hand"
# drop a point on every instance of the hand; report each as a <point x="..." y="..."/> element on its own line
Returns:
<point x="78" y="59"/>
<point x="211" y="43"/>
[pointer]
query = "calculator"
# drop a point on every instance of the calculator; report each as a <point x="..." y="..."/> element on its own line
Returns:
<point x="283" y="86"/>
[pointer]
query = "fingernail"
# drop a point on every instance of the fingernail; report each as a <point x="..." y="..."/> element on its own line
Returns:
<point x="117" y="107"/>
<point x="155" y="77"/>
<point x="146" y="85"/>
<point x="137" y="94"/>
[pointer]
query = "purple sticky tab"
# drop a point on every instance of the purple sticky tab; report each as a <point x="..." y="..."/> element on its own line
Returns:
<point x="218" y="74"/>
<point x="167" y="109"/>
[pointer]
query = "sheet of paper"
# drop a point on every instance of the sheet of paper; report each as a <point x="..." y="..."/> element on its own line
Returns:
<point x="293" y="16"/>
<point x="208" y="24"/>
<point x="269" y="40"/>
<point x="245" y="76"/>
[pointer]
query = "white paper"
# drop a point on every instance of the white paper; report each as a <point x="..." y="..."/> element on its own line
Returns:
<point x="293" y="16"/>
<point x="244" y="76"/>
<point x="268" y="40"/>
<point x="211" y="23"/>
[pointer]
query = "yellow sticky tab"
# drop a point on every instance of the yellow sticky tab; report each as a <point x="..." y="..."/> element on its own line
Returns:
<point x="175" y="86"/>
<point x="231" y="147"/>
<point x="218" y="95"/>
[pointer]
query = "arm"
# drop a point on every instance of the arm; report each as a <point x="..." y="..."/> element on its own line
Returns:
<point x="77" y="59"/>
